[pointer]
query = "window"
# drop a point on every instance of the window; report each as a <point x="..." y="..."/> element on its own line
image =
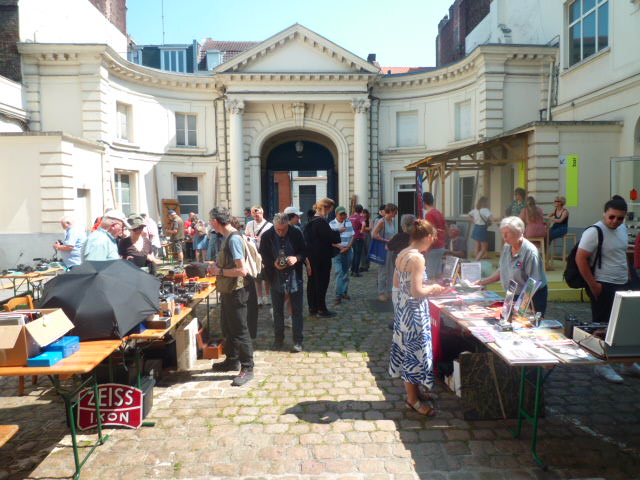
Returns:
<point x="173" y="60"/>
<point x="188" y="195"/>
<point x="307" y="173"/>
<point x="407" y="128"/>
<point x="186" y="130"/>
<point x="214" y="58"/>
<point x="465" y="194"/>
<point x="123" y="121"/>
<point x="463" y="120"/>
<point x="588" y="28"/>
<point x="124" y="191"/>
<point x="135" y="55"/>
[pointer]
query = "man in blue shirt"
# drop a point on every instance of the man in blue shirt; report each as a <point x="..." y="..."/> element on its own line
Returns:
<point x="71" y="247"/>
<point x="342" y="261"/>
<point x="101" y="245"/>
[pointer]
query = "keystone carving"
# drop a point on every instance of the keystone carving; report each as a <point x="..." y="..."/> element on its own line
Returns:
<point x="298" y="108"/>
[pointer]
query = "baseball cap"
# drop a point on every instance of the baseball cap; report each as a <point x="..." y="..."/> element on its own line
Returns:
<point x="341" y="210"/>
<point x="116" y="215"/>
<point x="171" y="212"/>
<point x="292" y="210"/>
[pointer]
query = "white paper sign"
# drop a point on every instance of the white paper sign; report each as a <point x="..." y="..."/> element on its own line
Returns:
<point x="471" y="272"/>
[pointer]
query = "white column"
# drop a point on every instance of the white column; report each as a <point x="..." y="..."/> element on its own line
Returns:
<point x="255" y="181"/>
<point x="236" y="160"/>
<point x="360" y="151"/>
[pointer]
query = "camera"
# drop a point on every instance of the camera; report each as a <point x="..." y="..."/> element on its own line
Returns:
<point x="282" y="259"/>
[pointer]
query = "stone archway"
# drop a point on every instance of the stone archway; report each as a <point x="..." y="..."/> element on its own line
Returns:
<point x="285" y="131"/>
<point x="297" y="167"/>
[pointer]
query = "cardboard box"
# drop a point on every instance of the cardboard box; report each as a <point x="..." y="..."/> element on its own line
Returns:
<point x="19" y="342"/>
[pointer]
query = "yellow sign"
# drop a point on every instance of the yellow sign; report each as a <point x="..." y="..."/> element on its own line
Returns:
<point x="572" y="163"/>
<point x="522" y="175"/>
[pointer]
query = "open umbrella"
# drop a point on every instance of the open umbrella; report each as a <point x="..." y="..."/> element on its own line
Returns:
<point x="103" y="299"/>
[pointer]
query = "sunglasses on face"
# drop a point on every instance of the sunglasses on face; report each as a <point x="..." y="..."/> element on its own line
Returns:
<point x="614" y="217"/>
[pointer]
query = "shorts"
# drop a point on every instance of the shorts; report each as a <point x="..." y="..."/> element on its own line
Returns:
<point x="178" y="246"/>
<point x="479" y="233"/>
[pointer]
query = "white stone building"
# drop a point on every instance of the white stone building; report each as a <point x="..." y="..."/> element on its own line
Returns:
<point x="87" y="130"/>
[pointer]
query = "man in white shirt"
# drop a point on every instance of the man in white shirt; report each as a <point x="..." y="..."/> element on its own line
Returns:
<point x="254" y="231"/>
<point x="609" y="274"/>
<point x="342" y="261"/>
<point x="151" y="230"/>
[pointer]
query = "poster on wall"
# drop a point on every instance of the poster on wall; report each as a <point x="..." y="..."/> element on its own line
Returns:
<point x="571" y="164"/>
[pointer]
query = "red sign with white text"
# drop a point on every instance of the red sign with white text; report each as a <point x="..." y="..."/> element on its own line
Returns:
<point x="120" y="405"/>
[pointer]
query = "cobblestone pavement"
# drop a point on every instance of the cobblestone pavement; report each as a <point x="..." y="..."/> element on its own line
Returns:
<point x="332" y="412"/>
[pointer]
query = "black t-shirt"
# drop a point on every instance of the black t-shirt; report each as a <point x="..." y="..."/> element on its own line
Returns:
<point x="127" y="249"/>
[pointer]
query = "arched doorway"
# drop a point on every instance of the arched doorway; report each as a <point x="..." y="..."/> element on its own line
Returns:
<point x="298" y="167"/>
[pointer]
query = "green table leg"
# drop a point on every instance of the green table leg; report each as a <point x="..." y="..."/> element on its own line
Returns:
<point x="534" y="417"/>
<point x="70" y="404"/>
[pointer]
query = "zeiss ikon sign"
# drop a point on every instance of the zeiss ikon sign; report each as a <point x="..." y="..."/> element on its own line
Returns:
<point x="120" y="405"/>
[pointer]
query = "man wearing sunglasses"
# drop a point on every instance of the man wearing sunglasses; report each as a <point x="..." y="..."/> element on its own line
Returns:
<point x="609" y="275"/>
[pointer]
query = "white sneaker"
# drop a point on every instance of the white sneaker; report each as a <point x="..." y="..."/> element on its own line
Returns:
<point x="259" y="300"/>
<point x="267" y="300"/>
<point x="632" y="370"/>
<point x="288" y="322"/>
<point x="608" y="373"/>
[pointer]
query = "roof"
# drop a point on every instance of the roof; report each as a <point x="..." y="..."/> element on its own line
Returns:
<point x="403" y="70"/>
<point x="229" y="49"/>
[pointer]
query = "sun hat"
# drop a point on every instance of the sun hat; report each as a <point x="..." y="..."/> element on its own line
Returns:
<point x="135" y="221"/>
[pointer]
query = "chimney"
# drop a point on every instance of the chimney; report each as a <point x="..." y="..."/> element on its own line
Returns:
<point x="371" y="57"/>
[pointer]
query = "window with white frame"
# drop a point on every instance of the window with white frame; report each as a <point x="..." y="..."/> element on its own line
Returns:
<point x="188" y="195"/>
<point x="465" y="194"/>
<point x="173" y="60"/>
<point x="186" y="130"/>
<point x="463" y="120"/>
<point x="124" y="184"/>
<point x="123" y="121"/>
<point x="588" y="28"/>
<point x="135" y="55"/>
<point x="407" y="128"/>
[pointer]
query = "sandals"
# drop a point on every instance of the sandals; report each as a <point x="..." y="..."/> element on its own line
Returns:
<point x="425" y="397"/>
<point x="421" y="408"/>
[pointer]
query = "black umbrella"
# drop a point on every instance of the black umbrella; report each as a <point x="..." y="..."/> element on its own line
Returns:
<point x="103" y="299"/>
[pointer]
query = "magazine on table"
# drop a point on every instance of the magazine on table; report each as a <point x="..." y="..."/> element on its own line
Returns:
<point x="568" y="351"/>
<point x="517" y="350"/>
<point x="507" y="307"/>
<point x="524" y="299"/>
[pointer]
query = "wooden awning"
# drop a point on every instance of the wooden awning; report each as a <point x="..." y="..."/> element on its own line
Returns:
<point x="493" y="152"/>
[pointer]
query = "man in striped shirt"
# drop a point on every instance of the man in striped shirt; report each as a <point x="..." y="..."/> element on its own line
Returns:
<point x="342" y="261"/>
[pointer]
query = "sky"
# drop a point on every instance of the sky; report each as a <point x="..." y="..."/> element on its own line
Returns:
<point x="402" y="32"/>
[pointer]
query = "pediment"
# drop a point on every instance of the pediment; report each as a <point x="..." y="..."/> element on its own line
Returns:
<point x="297" y="50"/>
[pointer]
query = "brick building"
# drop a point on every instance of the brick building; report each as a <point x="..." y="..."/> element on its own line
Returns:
<point x="463" y="17"/>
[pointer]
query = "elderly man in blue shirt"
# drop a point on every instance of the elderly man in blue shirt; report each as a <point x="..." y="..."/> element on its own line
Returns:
<point x="71" y="247"/>
<point x="102" y="244"/>
<point x="342" y="261"/>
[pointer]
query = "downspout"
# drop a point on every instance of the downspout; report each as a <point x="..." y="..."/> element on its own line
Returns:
<point x="226" y="150"/>
<point x="373" y="98"/>
<point x="549" y="88"/>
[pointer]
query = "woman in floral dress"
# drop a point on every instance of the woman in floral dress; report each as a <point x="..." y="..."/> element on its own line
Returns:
<point x="411" y="351"/>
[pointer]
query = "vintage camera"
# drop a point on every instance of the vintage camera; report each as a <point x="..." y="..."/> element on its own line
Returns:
<point x="282" y="259"/>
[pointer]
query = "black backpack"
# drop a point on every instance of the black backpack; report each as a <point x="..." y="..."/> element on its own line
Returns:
<point x="572" y="275"/>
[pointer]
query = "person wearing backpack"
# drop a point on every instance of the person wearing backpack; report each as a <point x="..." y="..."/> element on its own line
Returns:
<point x="283" y="252"/>
<point x="230" y="271"/>
<point x="610" y="274"/>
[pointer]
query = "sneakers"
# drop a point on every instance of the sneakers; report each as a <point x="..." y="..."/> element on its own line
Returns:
<point x="632" y="370"/>
<point x="608" y="373"/>
<point x="346" y="297"/>
<point x="327" y="314"/>
<point x="297" y="348"/>
<point x="259" y="300"/>
<point x="243" y="377"/>
<point x="288" y="322"/>
<point x="226" y="366"/>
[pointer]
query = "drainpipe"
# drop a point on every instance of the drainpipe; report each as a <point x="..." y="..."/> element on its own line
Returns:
<point x="373" y="98"/>
<point x="549" y="88"/>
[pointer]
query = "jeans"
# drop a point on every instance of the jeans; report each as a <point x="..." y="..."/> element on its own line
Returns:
<point x="558" y="230"/>
<point x="342" y="264"/>
<point x="233" y="323"/>
<point x="277" y="302"/>
<point x="318" y="283"/>
<point x="601" y="307"/>
<point x="356" y="248"/>
<point x="434" y="263"/>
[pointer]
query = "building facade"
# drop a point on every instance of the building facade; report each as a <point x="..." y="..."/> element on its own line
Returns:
<point x="85" y="129"/>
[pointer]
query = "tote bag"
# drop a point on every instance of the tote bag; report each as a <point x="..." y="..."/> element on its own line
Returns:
<point x="377" y="251"/>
